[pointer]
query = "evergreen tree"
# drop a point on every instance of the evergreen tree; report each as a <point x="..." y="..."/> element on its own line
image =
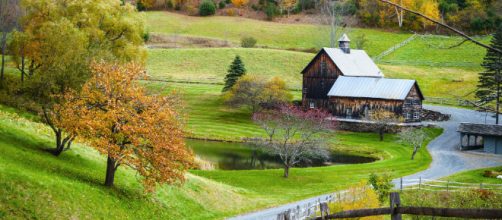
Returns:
<point x="490" y="80"/>
<point x="235" y="71"/>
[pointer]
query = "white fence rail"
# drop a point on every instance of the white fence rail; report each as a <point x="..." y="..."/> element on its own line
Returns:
<point x="442" y="185"/>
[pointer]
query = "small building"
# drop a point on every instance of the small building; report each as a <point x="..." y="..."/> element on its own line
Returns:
<point x="476" y="136"/>
<point x="349" y="84"/>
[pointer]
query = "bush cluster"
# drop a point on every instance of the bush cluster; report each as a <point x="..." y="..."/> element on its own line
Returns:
<point x="207" y="8"/>
<point x="248" y="42"/>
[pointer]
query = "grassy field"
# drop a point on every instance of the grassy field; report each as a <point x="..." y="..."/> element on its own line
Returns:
<point x="475" y="176"/>
<point x="36" y="185"/>
<point x="210" y="66"/>
<point x="421" y="51"/>
<point x="33" y="182"/>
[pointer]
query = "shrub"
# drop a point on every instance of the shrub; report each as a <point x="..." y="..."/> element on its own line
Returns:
<point x="271" y="11"/>
<point x="222" y="4"/>
<point x="382" y="185"/>
<point x="255" y="7"/>
<point x="146" y="36"/>
<point x="248" y="42"/>
<point x="207" y="8"/>
<point x="169" y="4"/>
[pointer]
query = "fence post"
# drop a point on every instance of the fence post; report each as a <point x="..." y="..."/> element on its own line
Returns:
<point x="395" y="202"/>
<point x="401" y="184"/>
<point x="481" y="186"/>
<point x="420" y="183"/>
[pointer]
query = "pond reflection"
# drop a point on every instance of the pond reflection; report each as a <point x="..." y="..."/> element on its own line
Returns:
<point x="239" y="156"/>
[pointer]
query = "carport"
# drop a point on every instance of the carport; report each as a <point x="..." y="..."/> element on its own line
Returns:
<point x="486" y="136"/>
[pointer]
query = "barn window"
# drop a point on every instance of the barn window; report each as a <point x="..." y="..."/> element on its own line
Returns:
<point x="407" y="116"/>
<point x="324" y="69"/>
<point x="416" y="115"/>
<point x="349" y="113"/>
<point x="407" y="102"/>
<point x="416" y="102"/>
<point x="312" y="104"/>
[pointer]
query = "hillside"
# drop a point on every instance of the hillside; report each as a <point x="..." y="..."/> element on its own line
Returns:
<point x="36" y="185"/>
<point x="445" y="73"/>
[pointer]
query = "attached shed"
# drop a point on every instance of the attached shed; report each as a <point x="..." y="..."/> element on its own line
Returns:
<point x="357" y="97"/>
<point x="486" y="136"/>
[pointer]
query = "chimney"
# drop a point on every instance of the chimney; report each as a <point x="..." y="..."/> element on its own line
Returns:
<point x="344" y="43"/>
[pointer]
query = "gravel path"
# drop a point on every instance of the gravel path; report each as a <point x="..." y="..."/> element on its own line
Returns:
<point x="446" y="158"/>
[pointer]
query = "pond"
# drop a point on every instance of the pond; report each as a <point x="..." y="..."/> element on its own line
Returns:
<point x="240" y="156"/>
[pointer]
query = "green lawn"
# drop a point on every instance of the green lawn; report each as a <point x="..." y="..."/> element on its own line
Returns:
<point x="475" y="176"/>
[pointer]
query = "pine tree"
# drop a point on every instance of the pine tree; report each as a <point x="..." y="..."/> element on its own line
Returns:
<point x="490" y="80"/>
<point x="235" y="71"/>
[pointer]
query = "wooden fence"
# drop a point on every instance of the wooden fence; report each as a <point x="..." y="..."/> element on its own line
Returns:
<point x="310" y="210"/>
<point x="396" y="211"/>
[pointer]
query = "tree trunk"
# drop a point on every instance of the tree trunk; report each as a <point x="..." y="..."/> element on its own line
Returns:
<point x="111" y="167"/>
<point x="286" y="171"/>
<point x="62" y="144"/>
<point x="381" y="133"/>
<point x="4" y="41"/>
<point x="415" y="149"/>
<point x="59" y="148"/>
<point x="498" y="79"/>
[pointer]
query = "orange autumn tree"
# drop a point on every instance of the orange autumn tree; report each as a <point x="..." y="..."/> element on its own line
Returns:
<point x="113" y="114"/>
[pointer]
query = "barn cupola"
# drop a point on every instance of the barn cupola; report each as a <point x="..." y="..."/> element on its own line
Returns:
<point x="344" y="43"/>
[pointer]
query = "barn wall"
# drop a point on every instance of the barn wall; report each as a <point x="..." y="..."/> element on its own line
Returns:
<point x="412" y="106"/>
<point x="318" y="80"/>
<point x="361" y="107"/>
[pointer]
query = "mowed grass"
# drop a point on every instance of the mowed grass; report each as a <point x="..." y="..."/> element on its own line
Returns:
<point x="208" y="118"/>
<point x="36" y="185"/>
<point x="475" y="176"/>
<point x="210" y="66"/>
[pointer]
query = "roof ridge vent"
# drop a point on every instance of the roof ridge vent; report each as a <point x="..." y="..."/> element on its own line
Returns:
<point x="344" y="43"/>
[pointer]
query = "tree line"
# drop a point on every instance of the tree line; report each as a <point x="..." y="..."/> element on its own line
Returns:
<point x="77" y="65"/>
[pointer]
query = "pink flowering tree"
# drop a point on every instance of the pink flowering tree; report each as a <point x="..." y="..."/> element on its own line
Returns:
<point x="294" y="134"/>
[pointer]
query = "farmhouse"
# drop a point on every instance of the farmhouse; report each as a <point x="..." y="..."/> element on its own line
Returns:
<point x="486" y="136"/>
<point x="349" y="84"/>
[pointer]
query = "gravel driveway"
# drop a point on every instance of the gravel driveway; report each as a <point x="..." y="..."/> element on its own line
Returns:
<point x="446" y="158"/>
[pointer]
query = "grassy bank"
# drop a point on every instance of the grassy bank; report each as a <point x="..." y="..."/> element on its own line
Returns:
<point x="36" y="185"/>
<point x="475" y="176"/>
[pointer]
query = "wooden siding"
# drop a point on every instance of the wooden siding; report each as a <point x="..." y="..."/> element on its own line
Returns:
<point x="360" y="108"/>
<point x="318" y="79"/>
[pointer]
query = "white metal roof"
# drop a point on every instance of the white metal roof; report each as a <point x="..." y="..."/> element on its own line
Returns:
<point x="371" y="87"/>
<point x="355" y="63"/>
